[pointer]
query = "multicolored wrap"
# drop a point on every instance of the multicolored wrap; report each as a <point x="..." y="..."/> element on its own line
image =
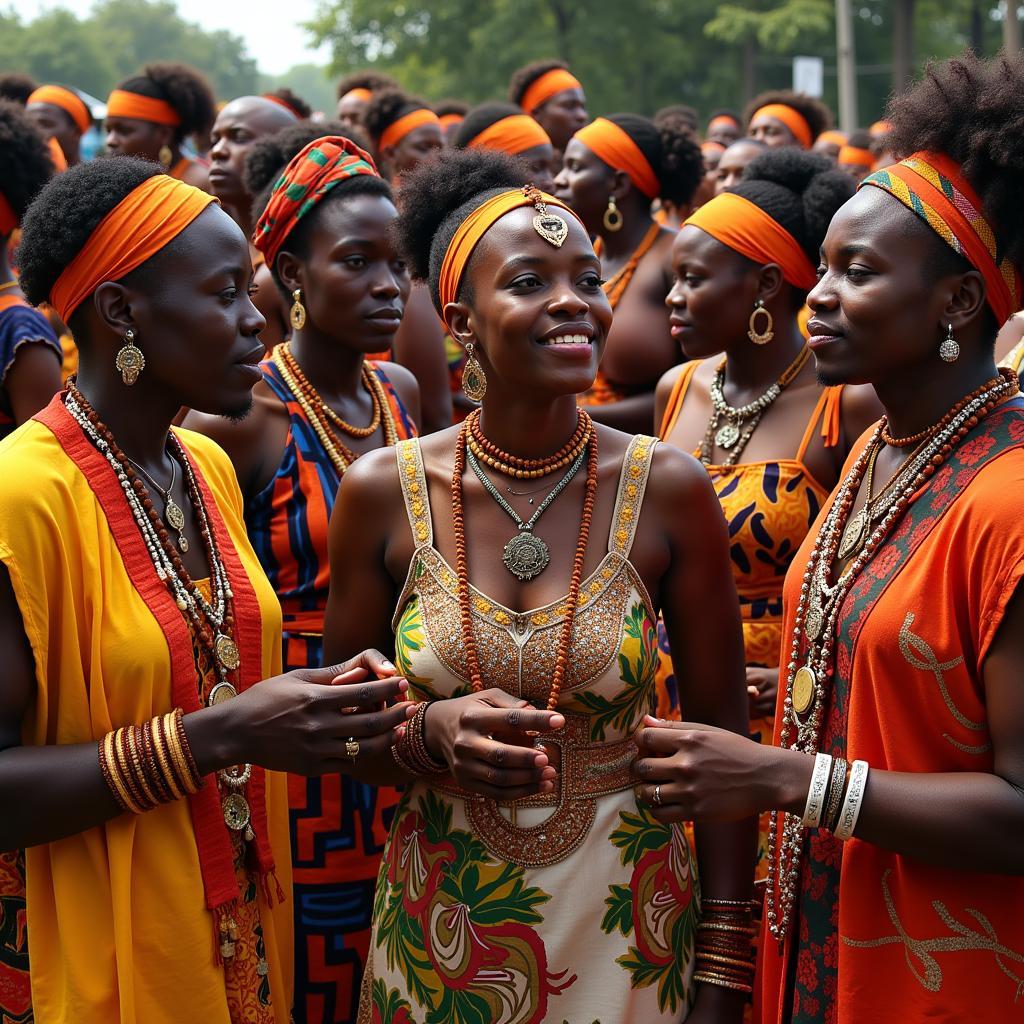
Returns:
<point x="310" y="176"/>
<point x="934" y="187"/>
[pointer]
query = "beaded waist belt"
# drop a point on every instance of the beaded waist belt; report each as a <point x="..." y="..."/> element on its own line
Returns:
<point x="586" y="771"/>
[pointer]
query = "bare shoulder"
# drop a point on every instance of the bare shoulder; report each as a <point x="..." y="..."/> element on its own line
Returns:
<point x="403" y="380"/>
<point x="677" y="476"/>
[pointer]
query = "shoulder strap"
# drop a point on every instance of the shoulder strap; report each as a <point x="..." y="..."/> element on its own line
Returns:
<point x="675" y="400"/>
<point x="827" y="411"/>
<point x="400" y="418"/>
<point x="636" y="467"/>
<point x="414" y="491"/>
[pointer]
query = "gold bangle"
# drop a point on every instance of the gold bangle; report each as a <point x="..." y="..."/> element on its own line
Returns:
<point x="728" y="961"/>
<point x="152" y="767"/>
<point x="711" y="979"/>
<point x="139" y="767"/>
<point x="162" y="757"/>
<point x="111" y="777"/>
<point x="177" y="756"/>
<point x="721" y="926"/>
<point x="123" y="765"/>
<point x="117" y="772"/>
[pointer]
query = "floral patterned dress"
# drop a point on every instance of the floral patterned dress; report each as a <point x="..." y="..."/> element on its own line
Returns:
<point x="573" y="906"/>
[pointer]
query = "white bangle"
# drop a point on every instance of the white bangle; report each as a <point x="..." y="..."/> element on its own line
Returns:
<point x="816" y="794"/>
<point x="854" y="798"/>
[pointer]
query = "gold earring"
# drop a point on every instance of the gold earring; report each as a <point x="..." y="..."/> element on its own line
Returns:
<point x="297" y="314"/>
<point x="612" y="216"/>
<point x="756" y="336"/>
<point x="949" y="350"/>
<point x="130" y="360"/>
<point x="165" y="156"/>
<point x="474" y="380"/>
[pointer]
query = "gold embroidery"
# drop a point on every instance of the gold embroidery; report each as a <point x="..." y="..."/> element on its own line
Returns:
<point x="966" y="939"/>
<point x="918" y="654"/>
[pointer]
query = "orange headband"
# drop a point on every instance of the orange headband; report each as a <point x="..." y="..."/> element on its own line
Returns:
<point x="394" y="133"/>
<point x="547" y="85"/>
<point x="880" y="128"/>
<point x="746" y="228"/>
<point x="8" y="221"/>
<point x="722" y="121"/>
<point x="137" y="228"/>
<point x="857" y="156"/>
<point x="472" y="229"/>
<point x="283" y="104"/>
<point x="609" y="142"/>
<point x="792" y="119"/>
<point x="121" y="103"/>
<point x="933" y="186"/>
<point x="513" y="134"/>
<point x="359" y="93"/>
<point x="451" y="120"/>
<point x="710" y="146"/>
<point x="836" y="138"/>
<point x="70" y="102"/>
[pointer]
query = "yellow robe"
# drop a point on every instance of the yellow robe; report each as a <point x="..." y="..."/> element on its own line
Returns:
<point x="117" y="920"/>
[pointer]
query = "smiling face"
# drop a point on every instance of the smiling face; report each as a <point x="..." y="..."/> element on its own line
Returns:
<point x="562" y="116"/>
<point x="876" y="310"/>
<point x="237" y="128"/>
<point x="128" y="136"/>
<point x="421" y="144"/>
<point x="353" y="284"/>
<point x="536" y="313"/>
<point x="585" y="182"/>
<point x="713" y="294"/>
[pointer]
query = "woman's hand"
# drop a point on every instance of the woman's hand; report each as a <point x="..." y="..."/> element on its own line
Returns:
<point x="709" y="774"/>
<point x="301" y="721"/>
<point x="763" y="690"/>
<point x="487" y="740"/>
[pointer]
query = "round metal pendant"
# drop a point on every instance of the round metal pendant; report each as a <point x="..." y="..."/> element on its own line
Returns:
<point x="227" y="652"/>
<point x="727" y="436"/>
<point x="526" y="556"/>
<point x="174" y="516"/>
<point x="220" y="693"/>
<point x="853" y="535"/>
<point x="804" y="684"/>
<point x="236" y="811"/>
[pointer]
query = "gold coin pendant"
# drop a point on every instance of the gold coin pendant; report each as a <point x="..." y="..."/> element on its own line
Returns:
<point x="236" y="811"/>
<point x="227" y="652"/>
<point x="220" y="693"/>
<point x="804" y="685"/>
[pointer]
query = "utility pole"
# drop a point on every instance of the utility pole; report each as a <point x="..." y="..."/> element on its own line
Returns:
<point x="846" y="67"/>
<point x="1011" y="28"/>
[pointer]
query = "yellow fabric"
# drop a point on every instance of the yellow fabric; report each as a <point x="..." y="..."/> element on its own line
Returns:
<point x="117" y="922"/>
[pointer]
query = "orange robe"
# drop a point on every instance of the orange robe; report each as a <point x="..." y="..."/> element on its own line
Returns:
<point x="876" y="936"/>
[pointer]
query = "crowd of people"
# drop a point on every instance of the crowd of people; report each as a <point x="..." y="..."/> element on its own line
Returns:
<point x="302" y="412"/>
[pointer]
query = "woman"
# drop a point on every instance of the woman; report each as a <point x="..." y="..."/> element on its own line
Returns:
<point x="334" y="263"/>
<point x="856" y="158"/>
<point x="787" y="118"/>
<point x="30" y="355"/>
<point x="733" y="162"/>
<point x="901" y="702"/>
<point x="549" y="92"/>
<point x="614" y="169"/>
<point x="451" y="114"/>
<point x="355" y="92"/>
<point x="404" y="132"/>
<point x="128" y="591"/>
<point x="724" y="127"/>
<point x="478" y="913"/>
<point x="771" y="438"/>
<point x="60" y="113"/>
<point x="151" y="115"/>
<point x="504" y="128"/>
<point x="829" y="143"/>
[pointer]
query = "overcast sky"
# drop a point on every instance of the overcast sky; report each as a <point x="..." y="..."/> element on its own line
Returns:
<point x="272" y="34"/>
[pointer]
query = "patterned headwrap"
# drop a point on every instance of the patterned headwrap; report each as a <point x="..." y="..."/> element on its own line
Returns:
<point x="311" y="174"/>
<point x="934" y="187"/>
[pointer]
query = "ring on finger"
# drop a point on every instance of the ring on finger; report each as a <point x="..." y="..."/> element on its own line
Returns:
<point x="351" y="748"/>
<point x="657" y="795"/>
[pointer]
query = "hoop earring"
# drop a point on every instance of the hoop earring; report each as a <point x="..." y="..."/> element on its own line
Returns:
<point x="130" y="361"/>
<point x="165" y="156"/>
<point x="297" y="314"/>
<point x="756" y="336"/>
<point x="949" y="350"/>
<point x="474" y="380"/>
<point x="612" y="216"/>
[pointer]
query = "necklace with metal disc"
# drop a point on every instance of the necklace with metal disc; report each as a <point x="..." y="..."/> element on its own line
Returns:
<point x="227" y="652"/>
<point x="727" y="436"/>
<point x="235" y="809"/>
<point x="526" y="556"/>
<point x="804" y="684"/>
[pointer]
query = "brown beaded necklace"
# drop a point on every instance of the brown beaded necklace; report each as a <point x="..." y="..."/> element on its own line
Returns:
<point x="527" y="469"/>
<point x="462" y="566"/>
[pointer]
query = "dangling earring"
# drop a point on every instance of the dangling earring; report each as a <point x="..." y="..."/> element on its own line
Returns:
<point x="130" y="360"/>
<point x="297" y="314"/>
<point x="474" y="380"/>
<point x="612" y="216"/>
<point x="756" y="336"/>
<point x="165" y="155"/>
<point x="949" y="350"/>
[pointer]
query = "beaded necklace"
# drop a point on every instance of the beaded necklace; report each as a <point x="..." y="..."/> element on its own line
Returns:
<point x="323" y="418"/>
<point x="490" y="454"/>
<point x="814" y="628"/>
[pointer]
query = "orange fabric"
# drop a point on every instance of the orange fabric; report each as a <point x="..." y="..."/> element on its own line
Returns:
<point x="836" y="137"/>
<point x="792" y="119"/>
<point x="8" y="220"/>
<point x="723" y="121"/>
<point x="745" y="227"/>
<point x="514" y="134"/>
<point x="358" y="93"/>
<point x="451" y="120"/>
<point x="394" y="133"/>
<point x="916" y="942"/>
<point x="472" y="229"/>
<point x="139" y="226"/>
<point x="180" y="168"/>
<point x="856" y="156"/>
<point x="60" y="161"/>
<point x="284" y="105"/>
<point x="70" y="102"/>
<point x="710" y="146"/>
<point x="121" y="103"/>
<point x="551" y="83"/>
<point x="880" y="128"/>
<point x="614" y="146"/>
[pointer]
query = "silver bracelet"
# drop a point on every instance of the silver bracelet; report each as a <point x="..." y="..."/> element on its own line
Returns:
<point x="854" y="798"/>
<point x="816" y="794"/>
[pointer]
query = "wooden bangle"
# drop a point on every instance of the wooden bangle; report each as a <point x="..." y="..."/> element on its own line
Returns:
<point x="123" y="769"/>
<point x="704" y="978"/>
<point x="137" y="753"/>
<point x="164" y="760"/>
<point x="177" y="757"/>
<point x="193" y="769"/>
<point x="110" y="777"/>
<point x="149" y="759"/>
<point x="728" y="961"/>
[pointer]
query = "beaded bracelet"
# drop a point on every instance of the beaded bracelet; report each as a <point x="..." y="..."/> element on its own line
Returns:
<point x="410" y="751"/>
